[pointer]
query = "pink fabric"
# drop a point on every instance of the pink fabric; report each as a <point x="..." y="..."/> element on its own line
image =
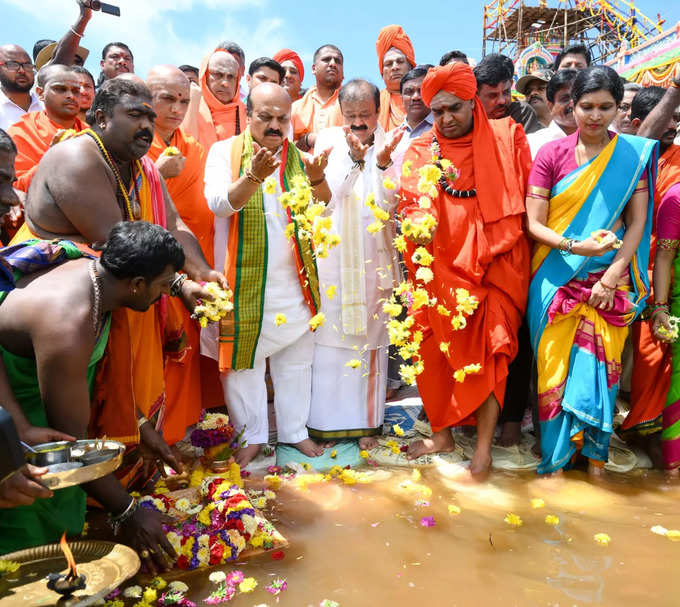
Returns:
<point x="579" y="291"/>
<point x="668" y="218"/>
<point x="554" y="161"/>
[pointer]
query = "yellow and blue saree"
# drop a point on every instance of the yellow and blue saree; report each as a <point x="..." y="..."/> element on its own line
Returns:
<point x="578" y="347"/>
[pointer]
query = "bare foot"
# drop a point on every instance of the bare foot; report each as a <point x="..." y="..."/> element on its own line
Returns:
<point x="511" y="434"/>
<point x="368" y="442"/>
<point x="440" y="442"/>
<point x="594" y="471"/>
<point x="246" y="454"/>
<point x="480" y="464"/>
<point x="309" y="448"/>
<point x="672" y="475"/>
<point x="391" y="393"/>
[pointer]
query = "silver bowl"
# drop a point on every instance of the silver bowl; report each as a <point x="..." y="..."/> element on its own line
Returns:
<point x="47" y="454"/>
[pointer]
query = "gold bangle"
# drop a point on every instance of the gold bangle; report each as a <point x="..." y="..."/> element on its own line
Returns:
<point x="251" y="177"/>
<point x="141" y="421"/>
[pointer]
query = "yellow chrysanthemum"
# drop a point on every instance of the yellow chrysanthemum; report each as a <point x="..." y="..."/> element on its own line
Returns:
<point x="248" y="585"/>
<point x="454" y="510"/>
<point x="513" y="519"/>
<point x="331" y="291"/>
<point x="334" y="454"/>
<point x="422" y="257"/>
<point x="537" y="502"/>
<point x="474" y="368"/>
<point x="551" y="519"/>
<point x="388" y="184"/>
<point x="280" y="319"/>
<point x="400" y="243"/>
<point x="398" y="430"/>
<point x="269" y="185"/>
<point x="424" y="275"/>
<point x="420" y="299"/>
<point x="171" y="151"/>
<point x="363" y="454"/>
<point x="458" y="322"/>
<point x="391" y="308"/>
<point x="406" y="168"/>
<point x="444" y="347"/>
<point x="424" y="202"/>
<point x="353" y="364"/>
<point x="602" y="538"/>
<point x="317" y="320"/>
<point x="375" y="227"/>
<point x="459" y="375"/>
<point x="380" y="214"/>
<point x="443" y="310"/>
<point x="407" y="374"/>
<point x="290" y="230"/>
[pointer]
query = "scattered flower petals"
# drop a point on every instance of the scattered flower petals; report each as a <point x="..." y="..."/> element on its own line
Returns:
<point x="353" y="364"/>
<point x="331" y="291"/>
<point x="673" y="535"/>
<point x="537" y="502"/>
<point x="659" y="530"/>
<point x="363" y="453"/>
<point x="398" y="430"/>
<point x="334" y="454"/>
<point x="453" y="509"/>
<point x="133" y="592"/>
<point x="427" y="521"/>
<point x="178" y="586"/>
<point x="552" y="519"/>
<point x="602" y="538"/>
<point x="329" y="603"/>
<point x="277" y="586"/>
<point x="513" y="519"/>
<point x="248" y="585"/>
<point x="217" y="577"/>
<point x="280" y="319"/>
<point x="278" y="555"/>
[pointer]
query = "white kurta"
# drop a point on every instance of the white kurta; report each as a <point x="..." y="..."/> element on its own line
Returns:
<point x="345" y="401"/>
<point x="290" y="345"/>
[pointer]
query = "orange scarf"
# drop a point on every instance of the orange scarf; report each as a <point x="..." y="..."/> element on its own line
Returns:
<point x="33" y="135"/>
<point x="186" y="190"/>
<point x="310" y="114"/>
<point x="216" y="120"/>
<point x="391" y="110"/>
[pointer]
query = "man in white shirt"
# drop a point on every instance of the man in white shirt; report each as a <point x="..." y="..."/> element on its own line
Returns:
<point x="17" y="74"/>
<point x="350" y="357"/>
<point x="271" y="272"/>
<point x="563" y="123"/>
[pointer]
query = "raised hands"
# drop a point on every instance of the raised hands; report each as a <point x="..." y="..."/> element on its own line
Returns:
<point x="263" y="163"/>
<point x="315" y="166"/>
<point x="357" y="150"/>
<point x="384" y="156"/>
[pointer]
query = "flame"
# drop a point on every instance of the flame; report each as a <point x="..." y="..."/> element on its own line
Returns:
<point x="69" y="557"/>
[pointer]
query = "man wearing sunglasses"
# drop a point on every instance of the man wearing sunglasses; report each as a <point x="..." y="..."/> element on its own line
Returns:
<point x="17" y="74"/>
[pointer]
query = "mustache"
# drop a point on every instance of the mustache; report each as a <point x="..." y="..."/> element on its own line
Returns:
<point x="363" y="127"/>
<point x="143" y="133"/>
<point x="273" y="132"/>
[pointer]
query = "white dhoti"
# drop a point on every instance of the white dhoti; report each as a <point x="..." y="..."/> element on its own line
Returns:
<point x="246" y="393"/>
<point x="346" y="402"/>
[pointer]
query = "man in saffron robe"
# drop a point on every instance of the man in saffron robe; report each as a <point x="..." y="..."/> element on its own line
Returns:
<point x="294" y="72"/>
<point x="59" y="89"/>
<point x="478" y="245"/>
<point x="655" y="113"/>
<point x="182" y="169"/>
<point x="84" y="186"/>
<point x="272" y="271"/>
<point x="395" y="58"/>
<point x="319" y="108"/>
<point x="217" y="113"/>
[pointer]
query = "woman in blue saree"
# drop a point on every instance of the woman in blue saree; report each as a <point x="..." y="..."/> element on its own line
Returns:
<point x="589" y="211"/>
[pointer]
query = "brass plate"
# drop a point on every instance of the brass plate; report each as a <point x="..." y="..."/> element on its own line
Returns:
<point x="85" y="474"/>
<point x="106" y="566"/>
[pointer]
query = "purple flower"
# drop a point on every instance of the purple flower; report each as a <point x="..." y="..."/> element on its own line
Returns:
<point x="427" y="521"/>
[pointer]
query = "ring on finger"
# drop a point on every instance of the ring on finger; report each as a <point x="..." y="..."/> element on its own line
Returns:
<point x="144" y="554"/>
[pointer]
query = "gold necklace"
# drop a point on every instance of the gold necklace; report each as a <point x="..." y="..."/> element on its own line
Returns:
<point x="121" y="186"/>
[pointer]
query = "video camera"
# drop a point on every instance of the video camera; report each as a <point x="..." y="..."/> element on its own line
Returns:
<point x="104" y="7"/>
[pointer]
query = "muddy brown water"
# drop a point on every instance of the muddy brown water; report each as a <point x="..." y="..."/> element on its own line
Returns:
<point x="364" y="545"/>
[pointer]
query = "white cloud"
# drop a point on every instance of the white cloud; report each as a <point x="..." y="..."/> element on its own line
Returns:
<point x="159" y="31"/>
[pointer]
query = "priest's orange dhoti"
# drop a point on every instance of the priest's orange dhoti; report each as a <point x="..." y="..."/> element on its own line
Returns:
<point x="190" y="384"/>
<point x="479" y="245"/>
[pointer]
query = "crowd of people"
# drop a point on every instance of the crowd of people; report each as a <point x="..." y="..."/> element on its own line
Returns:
<point x="496" y="252"/>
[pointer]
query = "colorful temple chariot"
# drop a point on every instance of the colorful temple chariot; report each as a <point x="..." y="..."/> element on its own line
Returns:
<point x="532" y="32"/>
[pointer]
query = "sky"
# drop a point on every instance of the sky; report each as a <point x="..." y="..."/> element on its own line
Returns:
<point x="183" y="31"/>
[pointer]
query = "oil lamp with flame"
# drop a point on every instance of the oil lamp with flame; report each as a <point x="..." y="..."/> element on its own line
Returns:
<point x="66" y="583"/>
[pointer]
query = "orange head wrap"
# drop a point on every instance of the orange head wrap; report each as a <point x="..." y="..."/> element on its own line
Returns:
<point x="455" y="78"/>
<point x="498" y="192"/>
<point x="394" y="36"/>
<point x="285" y="54"/>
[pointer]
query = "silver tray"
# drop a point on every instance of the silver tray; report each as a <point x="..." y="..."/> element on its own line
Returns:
<point x="68" y="475"/>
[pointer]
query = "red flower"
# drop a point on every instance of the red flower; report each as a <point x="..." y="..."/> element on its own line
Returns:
<point x="183" y="562"/>
<point x="277" y="555"/>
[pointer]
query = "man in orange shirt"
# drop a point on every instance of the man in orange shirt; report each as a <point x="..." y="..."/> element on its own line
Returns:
<point x="59" y="89"/>
<point x="319" y="108"/>
<point x="395" y="58"/>
<point x="182" y="169"/>
<point x="294" y="72"/>
<point x="655" y="113"/>
<point x="216" y="111"/>
<point x="479" y="246"/>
